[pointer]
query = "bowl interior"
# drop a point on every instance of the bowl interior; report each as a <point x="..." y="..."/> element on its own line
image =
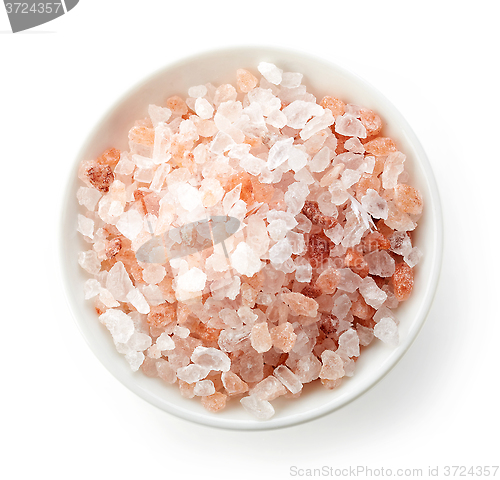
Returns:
<point x="321" y="78"/>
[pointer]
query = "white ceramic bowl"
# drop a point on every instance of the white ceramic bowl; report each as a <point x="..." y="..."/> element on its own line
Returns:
<point x="321" y="78"/>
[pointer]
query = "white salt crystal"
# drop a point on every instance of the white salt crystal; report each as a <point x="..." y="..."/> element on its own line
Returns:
<point x="413" y="257"/>
<point x="279" y="153"/>
<point x="89" y="261"/>
<point x="277" y="229"/>
<point x="165" y="342"/>
<point x="373" y="295"/>
<point x="136" y="298"/>
<point x="153" y="274"/>
<point x="159" y="114"/>
<point x="316" y="124"/>
<point x="266" y="101"/>
<point x="303" y="272"/>
<point x="130" y="224"/>
<point x="211" y="192"/>
<point x="354" y="145"/>
<point x="261" y="409"/>
<point x="333" y="366"/>
<point x="297" y="241"/>
<point x="221" y="143"/>
<point x="203" y="108"/>
<point x="350" y="177"/>
<point x="119" y="324"/>
<point x="193" y="280"/>
<point x="125" y="166"/>
<point x="138" y="342"/>
<point x="326" y="206"/>
<point x="320" y="161"/>
<point x="245" y="261"/>
<point x="349" y="126"/>
<point x="374" y="204"/>
<point x="299" y="112"/>
<point x="230" y="198"/>
<point x="118" y="282"/>
<point x="211" y="358"/>
<point x="297" y="160"/>
<point x="295" y="197"/>
<point x="370" y="164"/>
<point x="339" y="192"/>
<point x="365" y="335"/>
<point x="192" y="373"/>
<point x="268" y="389"/>
<point x="91" y="288"/>
<point x="384" y="312"/>
<point x="291" y="79"/>
<point x="341" y="306"/>
<point x="86" y="226"/>
<point x="349" y="281"/>
<point x="197" y="91"/>
<point x="135" y="360"/>
<point x="335" y="234"/>
<point x="380" y="263"/>
<point x="88" y="197"/>
<point x="108" y="299"/>
<point x="393" y="167"/>
<point x="288" y="378"/>
<point x="387" y="331"/>
<point x="204" y="388"/>
<point x="252" y="164"/>
<point x="287" y="217"/>
<point x="181" y="332"/>
<point x="270" y="72"/>
<point x="349" y="343"/>
<point x="400" y="243"/>
<point x="189" y="197"/>
<point x="230" y="318"/>
<point x="308" y="368"/>
<point x="281" y="251"/>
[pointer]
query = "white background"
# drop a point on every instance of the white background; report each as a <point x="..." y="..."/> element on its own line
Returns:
<point x="65" y="416"/>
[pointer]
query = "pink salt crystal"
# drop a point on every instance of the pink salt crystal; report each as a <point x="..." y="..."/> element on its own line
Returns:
<point x="260" y="337"/>
<point x="331" y="384"/>
<point x="233" y="384"/>
<point x="342" y="306"/>
<point x="192" y="373"/>
<point x="261" y="409"/>
<point x="348" y="281"/>
<point x="300" y="304"/>
<point x="393" y="167"/>
<point x="398" y="220"/>
<point x="387" y="331"/>
<point x="245" y="80"/>
<point x="288" y="379"/>
<point x="380" y="263"/>
<point x="214" y="402"/>
<point x="211" y="358"/>
<point x="268" y="389"/>
<point x="251" y="366"/>
<point x="283" y="337"/>
<point x="308" y="368"/>
<point x="328" y="280"/>
<point x="204" y="388"/>
<point x="372" y="294"/>
<point x="333" y="366"/>
<point x="165" y="371"/>
<point x="348" y="125"/>
<point x="349" y="343"/>
<point x="365" y="334"/>
<point x="408" y="199"/>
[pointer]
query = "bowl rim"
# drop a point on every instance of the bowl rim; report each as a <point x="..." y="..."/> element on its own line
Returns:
<point x="210" y="419"/>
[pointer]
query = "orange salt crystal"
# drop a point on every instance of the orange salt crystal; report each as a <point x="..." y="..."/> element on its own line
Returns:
<point x="214" y="402"/>
<point x="375" y="241"/>
<point x="328" y="280"/>
<point x="187" y="389"/>
<point x="367" y="181"/>
<point x="262" y="192"/>
<point x="177" y="105"/>
<point x="205" y="333"/>
<point x="183" y="312"/>
<point x="142" y="135"/>
<point x="361" y="309"/>
<point x="99" y="307"/>
<point x="110" y="157"/>
<point x="245" y="80"/>
<point x="334" y="104"/>
<point x="300" y="304"/>
<point x="380" y="146"/>
<point x="260" y="337"/>
<point x="248" y="295"/>
<point x="233" y="384"/>
<point x="100" y="176"/>
<point x="253" y="141"/>
<point x="371" y="121"/>
<point x="384" y="229"/>
<point x="162" y="315"/>
<point x="167" y="290"/>
<point x="408" y="199"/>
<point x="402" y="281"/>
<point x="283" y="337"/>
<point x="245" y="180"/>
<point x="331" y="384"/>
<point x="355" y="261"/>
<point x="379" y="166"/>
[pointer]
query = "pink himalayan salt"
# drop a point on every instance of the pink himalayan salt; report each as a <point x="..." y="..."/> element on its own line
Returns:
<point x="300" y="304"/>
<point x="268" y="389"/>
<point x="283" y="337"/>
<point x="260" y="337"/>
<point x="214" y="402"/>
<point x="233" y="384"/>
<point x="288" y="378"/>
<point x="408" y="199"/>
<point x="333" y="366"/>
<point x="245" y="80"/>
<point x="328" y="281"/>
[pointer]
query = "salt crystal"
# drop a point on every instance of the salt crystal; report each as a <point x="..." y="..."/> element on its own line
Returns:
<point x="192" y="373"/>
<point x="138" y="342"/>
<point x="299" y="112"/>
<point x="279" y="153"/>
<point x="88" y="261"/>
<point x="349" y="126"/>
<point x="91" y="288"/>
<point x="266" y="101"/>
<point x="165" y="342"/>
<point x="277" y="229"/>
<point x="135" y="360"/>
<point x="387" y="331"/>
<point x="281" y="251"/>
<point x="245" y="261"/>
<point x="233" y="384"/>
<point x="189" y="197"/>
<point x="203" y="108"/>
<point x="384" y="312"/>
<point x="300" y="304"/>
<point x="137" y="300"/>
<point x="349" y="343"/>
<point x="297" y="160"/>
<point x="316" y="124"/>
<point x="372" y="294"/>
<point x="291" y="79"/>
<point x="247" y="315"/>
<point x="130" y="224"/>
<point x="365" y="334"/>
<point x="119" y="324"/>
<point x="211" y="358"/>
<point x="271" y="72"/>
<point x="288" y="379"/>
<point x="260" y="338"/>
<point x="333" y="366"/>
<point x="354" y="145"/>
<point x="335" y="234"/>
<point x="338" y="191"/>
<point x="295" y="197"/>
<point x="380" y="263"/>
<point x="350" y="177"/>
<point x="261" y="409"/>
<point x="374" y="204"/>
<point x="320" y="161"/>
<point x="88" y="197"/>
<point x="413" y="257"/>
<point x="153" y="274"/>
<point x="297" y="241"/>
<point x="118" y="282"/>
<point x="245" y="80"/>
<point x="193" y="280"/>
<point x="342" y="306"/>
<point x="308" y="368"/>
<point x="349" y="281"/>
<point x="303" y="272"/>
<point x="165" y="371"/>
<point x="393" y="166"/>
<point x="400" y="243"/>
<point x="107" y="299"/>
<point x="283" y="337"/>
<point x="197" y="91"/>
<point x="204" y="388"/>
<point x="221" y="143"/>
<point x="181" y="332"/>
<point x="268" y="389"/>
